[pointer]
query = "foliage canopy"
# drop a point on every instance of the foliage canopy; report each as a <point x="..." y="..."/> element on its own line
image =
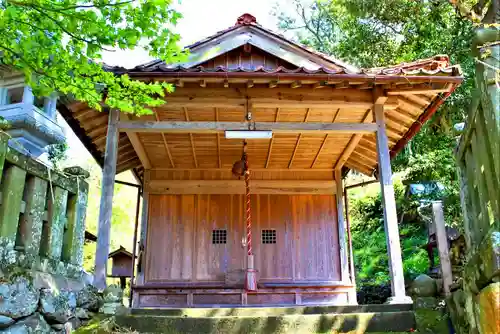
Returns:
<point x="58" y="46"/>
<point x="371" y="33"/>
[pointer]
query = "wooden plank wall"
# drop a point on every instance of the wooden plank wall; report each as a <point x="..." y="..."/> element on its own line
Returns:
<point x="180" y="228"/>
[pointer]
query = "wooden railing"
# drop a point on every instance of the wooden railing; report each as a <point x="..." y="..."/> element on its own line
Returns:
<point x="478" y="154"/>
<point x="42" y="213"/>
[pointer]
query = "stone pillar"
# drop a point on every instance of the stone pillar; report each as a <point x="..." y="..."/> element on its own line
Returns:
<point x="389" y="206"/>
<point x="3" y="96"/>
<point x="49" y="106"/>
<point x="77" y="207"/>
<point x="28" y="97"/>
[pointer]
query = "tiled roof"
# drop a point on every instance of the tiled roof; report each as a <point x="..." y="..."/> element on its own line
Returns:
<point x="437" y="65"/>
<point x="431" y="66"/>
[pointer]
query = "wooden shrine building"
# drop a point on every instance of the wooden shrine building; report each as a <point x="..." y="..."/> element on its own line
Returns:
<point x="314" y="118"/>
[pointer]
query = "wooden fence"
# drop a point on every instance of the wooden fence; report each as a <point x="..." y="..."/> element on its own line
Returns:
<point x="42" y="211"/>
<point x="478" y="154"/>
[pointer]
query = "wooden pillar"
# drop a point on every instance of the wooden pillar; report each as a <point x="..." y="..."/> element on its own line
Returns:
<point x="141" y="257"/>
<point x="389" y="205"/>
<point x="105" y="210"/>
<point x="442" y="243"/>
<point x="344" y="272"/>
<point x="352" y="295"/>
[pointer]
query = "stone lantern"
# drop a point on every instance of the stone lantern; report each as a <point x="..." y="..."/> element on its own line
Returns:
<point x="32" y="120"/>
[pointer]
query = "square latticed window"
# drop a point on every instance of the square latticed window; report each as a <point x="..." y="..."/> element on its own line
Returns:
<point x="219" y="237"/>
<point x="268" y="236"/>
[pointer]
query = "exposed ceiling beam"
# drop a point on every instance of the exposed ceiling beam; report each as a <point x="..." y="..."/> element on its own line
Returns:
<point x="214" y="127"/>
<point x="238" y="187"/>
<point x="165" y="144"/>
<point x="219" y="159"/>
<point x="276" y="117"/>
<point x="137" y="144"/>
<point x="413" y="91"/>
<point x="353" y="142"/>
<point x="191" y="139"/>
<point x="324" y="104"/>
<point x="298" y="140"/>
<point x="254" y="169"/>
<point x="324" y="140"/>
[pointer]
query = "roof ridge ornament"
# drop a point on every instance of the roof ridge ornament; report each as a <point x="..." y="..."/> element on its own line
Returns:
<point x="246" y="19"/>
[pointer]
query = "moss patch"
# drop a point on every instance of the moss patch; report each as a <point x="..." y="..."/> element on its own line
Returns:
<point x="428" y="321"/>
<point x="103" y="325"/>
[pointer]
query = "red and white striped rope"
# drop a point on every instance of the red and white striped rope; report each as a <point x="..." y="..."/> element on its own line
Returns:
<point x="249" y="213"/>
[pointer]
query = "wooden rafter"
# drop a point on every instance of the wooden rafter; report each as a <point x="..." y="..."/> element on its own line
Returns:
<point x="277" y="127"/>
<point x="353" y="142"/>
<point x="324" y="140"/>
<point x="413" y="91"/>
<point x="315" y="104"/>
<point x="191" y="139"/>
<point x="167" y="149"/>
<point x="298" y="140"/>
<point x="137" y="144"/>
<point x="218" y="139"/>
<point x="276" y="117"/>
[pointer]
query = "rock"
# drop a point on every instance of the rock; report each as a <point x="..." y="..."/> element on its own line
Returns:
<point x="57" y="306"/>
<point x="110" y="308"/>
<point x="424" y="286"/>
<point x="70" y="326"/>
<point x="77" y="171"/>
<point x="30" y="325"/>
<point x="426" y="302"/>
<point x="113" y="294"/>
<point x="88" y="298"/>
<point x="57" y="327"/>
<point x="82" y="313"/>
<point x="489" y="309"/>
<point x="18" y="298"/>
<point x="5" y="321"/>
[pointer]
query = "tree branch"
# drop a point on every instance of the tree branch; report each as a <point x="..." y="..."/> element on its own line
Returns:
<point x="58" y="23"/>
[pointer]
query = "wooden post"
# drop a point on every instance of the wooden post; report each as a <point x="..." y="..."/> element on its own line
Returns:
<point x="344" y="272"/>
<point x="442" y="243"/>
<point x="141" y="257"/>
<point x="389" y="206"/>
<point x="105" y="210"/>
<point x="352" y="295"/>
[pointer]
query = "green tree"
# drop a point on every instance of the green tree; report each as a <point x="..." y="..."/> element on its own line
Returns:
<point x="371" y="33"/>
<point x="58" y="46"/>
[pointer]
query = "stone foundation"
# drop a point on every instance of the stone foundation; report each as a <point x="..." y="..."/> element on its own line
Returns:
<point x="45" y="303"/>
<point x="475" y="305"/>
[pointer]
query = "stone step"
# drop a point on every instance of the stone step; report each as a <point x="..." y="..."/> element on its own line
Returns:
<point x="278" y="320"/>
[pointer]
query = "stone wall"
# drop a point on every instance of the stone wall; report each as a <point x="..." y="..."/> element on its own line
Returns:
<point x="31" y="302"/>
<point x="475" y="304"/>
